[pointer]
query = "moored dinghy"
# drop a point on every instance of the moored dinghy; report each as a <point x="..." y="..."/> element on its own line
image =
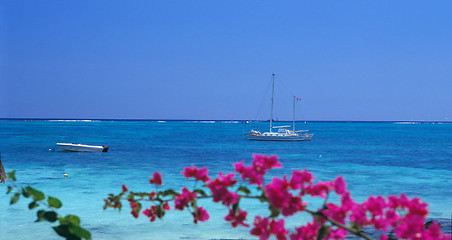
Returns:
<point x="76" y="147"/>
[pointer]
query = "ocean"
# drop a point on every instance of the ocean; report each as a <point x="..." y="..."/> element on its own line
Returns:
<point x="375" y="158"/>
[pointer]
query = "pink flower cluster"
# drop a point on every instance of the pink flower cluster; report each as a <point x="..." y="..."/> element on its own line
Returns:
<point x="199" y="174"/>
<point x="154" y="211"/>
<point x="200" y="215"/>
<point x="401" y="214"/>
<point x="255" y="173"/>
<point x="264" y="227"/>
<point x="183" y="199"/>
<point x="219" y="188"/>
<point x="156" y="179"/>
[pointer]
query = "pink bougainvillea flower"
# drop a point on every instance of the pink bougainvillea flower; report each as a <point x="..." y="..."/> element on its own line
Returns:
<point x="299" y="178"/>
<point x="248" y="173"/>
<point x="393" y="202"/>
<point x="201" y="215"/>
<point x="294" y="205"/>
<point x="135" y="214"/>
<point x="227" y="180"/>
<point x="261" y="228"/>
<point x="280" y="198"/>
<point x="199" y="174"/>
<point x="320" y="189"/>
<point x="358" y="215"/>
<point x="264" y="227"/>
<point x="335" y="212"/>
<point x="417" y="206"/>
<point x="375" y="205"/>
<point x="189" y="171"/>
<point x="434" y="232"/>
<point x="151" y="213"/>
<point x="261" y="163"/>
<point x="239" y="167"/>
<point x="383" y="237"/>
<point x="202" y="175"/>
<point x="347" y="202"/>
<point x="278" y="229"/>
<point x="392" y="217"/>
<point x="338" y="233"/>
<point x="219" y="188"/>
<point x="156" y="179"/>
<point x="307" y="232"/>
<point x="133" y="205"/>
<point x="340" y="185"/>
<point x="237" y="219"/>
<point x="255" y="173"/>
<point x="277" y="193"/>
<point x="166" y="206"/>
<point x="411" y="226"/>
<point x="124" y="188"/>
<point x="152" y="195"/>
<point x="183" y="199"/>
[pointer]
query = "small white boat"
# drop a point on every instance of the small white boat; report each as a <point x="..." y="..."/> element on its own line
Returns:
<point x="75" y="147"/>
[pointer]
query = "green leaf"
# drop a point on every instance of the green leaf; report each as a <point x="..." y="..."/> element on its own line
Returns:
<point x="244" y="189"/>
<point x="14" y="198"/>
<point x="200" y="192"/>
<point x="169" y="192"/>
<point x="49" y="216"/>
<point x="63" y="230"/>
<point x="70" y="228"/>
<point x="235" y="208"/>
<point x="25" y="193"/>
<point x="36" y="194"/>
<point x="138" y="207"/>
<point x="69" y="219"/>
<point x="160" y="211"/>
<point x="32" y="205"/>
<point x="40" y="215"/>
<point x="12" y="175"/>
<point x="79" y="231"/>
<point x="9" y="189"/>
<point x="275" y="212"/>
<point x="54" y="202"/>
<point x="322" y="232"/>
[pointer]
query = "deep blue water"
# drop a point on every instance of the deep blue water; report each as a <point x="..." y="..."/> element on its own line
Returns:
<point x="375" y="159"/>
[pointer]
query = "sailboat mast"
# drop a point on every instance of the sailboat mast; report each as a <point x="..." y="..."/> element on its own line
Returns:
<point x="293" y="114"/>
<point x="271" y="111"/>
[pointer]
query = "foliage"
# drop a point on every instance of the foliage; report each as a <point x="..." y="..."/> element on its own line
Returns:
<point x="68" y="226"/>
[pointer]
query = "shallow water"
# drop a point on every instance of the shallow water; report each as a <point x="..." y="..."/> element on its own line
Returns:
<point x="374" y="158"/>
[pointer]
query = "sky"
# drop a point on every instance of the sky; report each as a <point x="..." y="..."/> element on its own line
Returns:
<point x="352" y="60"/>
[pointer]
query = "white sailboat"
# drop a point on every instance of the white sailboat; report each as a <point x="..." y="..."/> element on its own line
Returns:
<point x="283" y="133"/>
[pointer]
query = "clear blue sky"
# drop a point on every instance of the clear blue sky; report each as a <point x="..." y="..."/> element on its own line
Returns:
<point x="204" y="59"/>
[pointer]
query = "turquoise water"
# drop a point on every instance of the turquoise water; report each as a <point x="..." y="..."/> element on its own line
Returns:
<point x="374" y="158"/>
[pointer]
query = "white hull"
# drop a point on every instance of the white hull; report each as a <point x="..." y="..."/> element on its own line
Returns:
<point x="73" y="147"/>
<point x="304" y="137"/>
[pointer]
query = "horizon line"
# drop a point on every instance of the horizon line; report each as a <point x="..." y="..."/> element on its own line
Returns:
<point x="222" y="120"/>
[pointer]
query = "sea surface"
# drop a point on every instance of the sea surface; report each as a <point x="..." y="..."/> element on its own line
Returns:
<point x="375" y="158"/>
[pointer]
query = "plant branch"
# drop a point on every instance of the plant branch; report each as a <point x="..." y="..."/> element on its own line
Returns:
<point x="334" y="222"/>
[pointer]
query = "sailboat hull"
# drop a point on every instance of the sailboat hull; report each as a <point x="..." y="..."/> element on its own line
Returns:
<point x="304" y="137"/>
